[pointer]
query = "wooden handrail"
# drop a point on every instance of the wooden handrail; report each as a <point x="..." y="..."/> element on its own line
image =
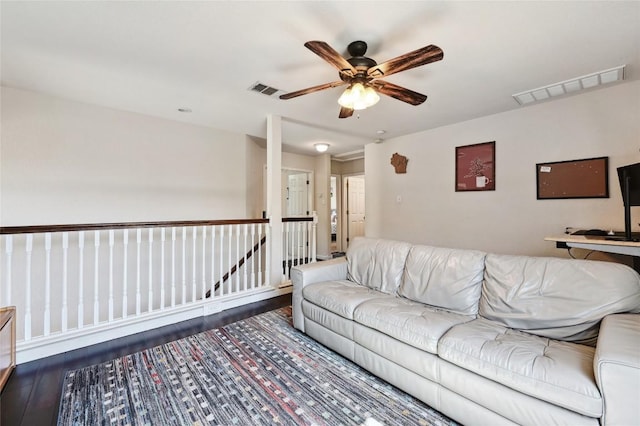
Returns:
<point x="298" y="219"/>
<point x="36" y="229"/>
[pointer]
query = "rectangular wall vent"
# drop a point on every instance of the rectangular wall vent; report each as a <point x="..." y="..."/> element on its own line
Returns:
<point x="570" y="86"/>
<point x="264" y="89"/>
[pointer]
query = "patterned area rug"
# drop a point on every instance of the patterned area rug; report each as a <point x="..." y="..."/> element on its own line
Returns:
<point x="257" y="371"/>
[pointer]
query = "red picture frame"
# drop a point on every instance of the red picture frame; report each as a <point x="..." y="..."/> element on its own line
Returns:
<point x="476" y="167"/>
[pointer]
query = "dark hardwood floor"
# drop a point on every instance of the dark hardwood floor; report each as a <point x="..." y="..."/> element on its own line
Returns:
<point x="32" y="394"/>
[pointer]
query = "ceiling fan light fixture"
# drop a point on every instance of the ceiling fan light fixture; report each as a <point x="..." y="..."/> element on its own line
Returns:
<point x="358" y="97"/>
<point x="321" y="147"/>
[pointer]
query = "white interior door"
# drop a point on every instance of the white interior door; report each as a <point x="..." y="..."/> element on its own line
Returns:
<point x="296" y="193"/>
<point x="355" y="207"/>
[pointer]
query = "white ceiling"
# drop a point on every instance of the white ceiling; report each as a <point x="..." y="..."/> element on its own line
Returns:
<point x="157" y="56"/>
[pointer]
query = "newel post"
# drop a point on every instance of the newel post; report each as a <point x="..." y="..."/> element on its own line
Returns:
<point x="314" y="227"/>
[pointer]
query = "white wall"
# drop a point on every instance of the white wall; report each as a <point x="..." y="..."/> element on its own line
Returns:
<point x="352" y="167"/>
<point x="255" y="172"/>
<point x="68" y="162"/>
<point x="603" y="122"/>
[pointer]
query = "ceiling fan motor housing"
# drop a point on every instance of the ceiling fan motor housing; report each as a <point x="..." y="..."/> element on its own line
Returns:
<point x="361" y="63"/>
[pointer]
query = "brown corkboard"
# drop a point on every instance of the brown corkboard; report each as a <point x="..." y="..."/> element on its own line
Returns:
<point x="587" y="178"/>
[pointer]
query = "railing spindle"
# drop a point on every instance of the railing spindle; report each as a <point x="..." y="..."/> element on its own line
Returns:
<point x="253" y="258"/>
<point x="64" y="314"/>
<point x="204" y="263"/>
<point x="262" y="230"/>
<point x="150" y="261"/>
<point x="237" y="258"/>
<point x="267" y="232"/>
<point x="81" y="279"/>
<point x="313" y="237"/>
<point x="194" y="232"/>
<point x="221" y="259"/>
<point x="173" y="267"/>
<point x="184" y="265"/>
<point x="230" y="263"/>
<point x="27" y="311"/>
<point x="111" y="244"/>
<point x="162" y="268"/>
<point x="299" y="243"/>
<point x="96" y="286"/>
<point x="244" y="250"/>
<point x="213" y="261"/>
<point x="125" y="263"/>
<point x="138" y="266"/>
<point x="47" y="284"/>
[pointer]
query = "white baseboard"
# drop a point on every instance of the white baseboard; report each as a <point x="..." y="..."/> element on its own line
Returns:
<point x="63" y="342"/>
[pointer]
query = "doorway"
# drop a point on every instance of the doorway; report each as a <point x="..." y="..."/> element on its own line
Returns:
<point x="354" y="200"/>
<point x="336" y="239"/>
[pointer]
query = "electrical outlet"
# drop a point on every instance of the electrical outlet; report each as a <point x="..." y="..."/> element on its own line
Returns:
<point x="212" y="308"/>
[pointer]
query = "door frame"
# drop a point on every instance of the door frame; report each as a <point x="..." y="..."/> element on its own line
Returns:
<point x="310" y="192"/>
<point x="339" y="208"/>
<point x="345" y="204"/>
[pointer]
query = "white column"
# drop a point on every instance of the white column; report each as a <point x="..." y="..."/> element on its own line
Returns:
<point x="274" y="198"/>
<point x="323" y="205"/>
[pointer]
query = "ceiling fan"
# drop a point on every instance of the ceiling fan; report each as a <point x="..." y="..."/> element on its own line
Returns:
<point x="362" y="75"/>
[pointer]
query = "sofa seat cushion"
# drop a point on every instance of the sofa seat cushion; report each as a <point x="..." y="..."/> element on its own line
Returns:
<point x="340" y="297"/>
<point x="557" y="372"/>
<point x="410" y="322"/>
<point x="443" y="277"/>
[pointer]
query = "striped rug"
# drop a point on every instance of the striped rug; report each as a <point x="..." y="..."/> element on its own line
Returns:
<point x="257" y="371"/>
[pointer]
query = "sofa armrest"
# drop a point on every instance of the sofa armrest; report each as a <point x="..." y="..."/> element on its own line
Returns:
<point x="303" y="275"/>
<point x="617" y="368"/>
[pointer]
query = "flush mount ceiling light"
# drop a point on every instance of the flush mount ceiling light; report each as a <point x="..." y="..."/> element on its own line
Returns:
<point x="321" y="147"/>
<point x="570" y="86"/>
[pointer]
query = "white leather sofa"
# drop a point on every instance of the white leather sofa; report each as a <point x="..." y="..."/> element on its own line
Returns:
<point x="483" y="338"/>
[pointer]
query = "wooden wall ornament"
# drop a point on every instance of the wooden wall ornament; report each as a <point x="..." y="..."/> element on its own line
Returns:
<point x="399" y="162"/>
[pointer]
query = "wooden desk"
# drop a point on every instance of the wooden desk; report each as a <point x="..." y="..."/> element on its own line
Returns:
<point x="598" y="243"/>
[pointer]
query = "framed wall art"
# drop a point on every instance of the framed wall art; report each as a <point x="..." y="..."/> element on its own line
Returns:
<point x="586" y="178"/>
<point x="476" y="167"/>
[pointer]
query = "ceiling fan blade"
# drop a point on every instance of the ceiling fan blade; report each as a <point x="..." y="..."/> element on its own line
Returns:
<point x="398" y="92"/>
<point x="345" y="112"/>
<point x="407" y="61"/>
<point x="312" y="89"/>
<point x="329" y="54"/>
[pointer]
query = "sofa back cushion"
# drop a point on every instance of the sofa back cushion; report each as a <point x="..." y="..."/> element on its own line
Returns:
<point x="443" y="277"/>
<point x="377" y="263"/>
<point x="561" y="299"/>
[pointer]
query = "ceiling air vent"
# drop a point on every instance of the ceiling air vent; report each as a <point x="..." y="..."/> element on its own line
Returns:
<point x="568" y="86"/>
<point x="264" y="89"/>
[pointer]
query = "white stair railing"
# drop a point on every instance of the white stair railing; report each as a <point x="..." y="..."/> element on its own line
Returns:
<point x="72" y="280"/>
<point x="298" y="242"/>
